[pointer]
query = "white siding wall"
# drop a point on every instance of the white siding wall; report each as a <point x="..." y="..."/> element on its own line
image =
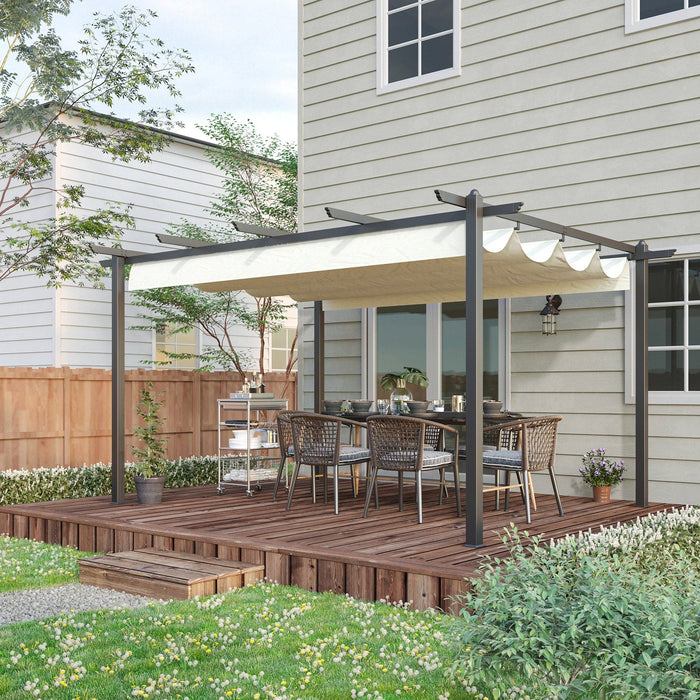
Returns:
<point x="555" y="107"/>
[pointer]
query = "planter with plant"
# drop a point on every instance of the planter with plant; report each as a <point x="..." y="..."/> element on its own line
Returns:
<point x="601" y="473"/>
<point x="151" y="455"/>
<point x="396" y="384"/>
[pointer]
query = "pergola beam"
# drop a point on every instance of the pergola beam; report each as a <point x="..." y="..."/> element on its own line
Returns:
<point x="182" y="241"/>
<point x="350" y="216"/>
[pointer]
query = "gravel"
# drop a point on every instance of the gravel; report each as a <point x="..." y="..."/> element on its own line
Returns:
<point x="38" y="603"/>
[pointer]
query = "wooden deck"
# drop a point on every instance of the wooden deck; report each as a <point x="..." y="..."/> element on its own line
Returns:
<point x="387" y="555"/>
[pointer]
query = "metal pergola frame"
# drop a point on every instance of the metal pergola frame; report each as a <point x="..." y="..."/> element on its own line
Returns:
<point x="473" y="210"/>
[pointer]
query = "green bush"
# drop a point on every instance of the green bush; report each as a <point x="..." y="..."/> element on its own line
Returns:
<point x="610" y="615"/>
<point x="57" y="483"/>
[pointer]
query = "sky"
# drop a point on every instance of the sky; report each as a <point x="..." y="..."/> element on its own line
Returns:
<point x="244" y="53"/>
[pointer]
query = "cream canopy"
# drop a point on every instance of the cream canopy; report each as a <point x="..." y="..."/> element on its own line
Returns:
<point x="419" y="264"/>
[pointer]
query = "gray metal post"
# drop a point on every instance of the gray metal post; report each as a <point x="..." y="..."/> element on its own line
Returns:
<point x="319" y="352"/>
<point x="641" y="370"/>
<point x="117" y="379"/>
<point x="474" y="370"/>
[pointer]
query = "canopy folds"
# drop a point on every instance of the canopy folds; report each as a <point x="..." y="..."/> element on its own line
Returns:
<point x="421" y="264"/>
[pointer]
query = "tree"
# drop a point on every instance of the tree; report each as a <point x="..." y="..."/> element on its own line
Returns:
<point x="259" y="187"/>
<point x="50" y="95"/>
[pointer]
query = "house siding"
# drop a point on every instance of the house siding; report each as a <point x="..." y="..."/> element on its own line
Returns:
<point x="556" y="107"/>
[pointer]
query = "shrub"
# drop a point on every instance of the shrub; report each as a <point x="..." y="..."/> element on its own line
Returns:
<point x="610" y="615"/>
<point x="53" y="484"/>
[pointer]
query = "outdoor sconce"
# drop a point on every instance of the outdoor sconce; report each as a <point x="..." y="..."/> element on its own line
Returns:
<point x="549" y="315"/>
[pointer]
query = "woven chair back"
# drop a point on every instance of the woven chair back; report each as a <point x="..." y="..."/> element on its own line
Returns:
<point x="539" y="442"/>
<point x="396" y="443"/>
<point x="284" y="433"/>
<point x="316" y="439"/>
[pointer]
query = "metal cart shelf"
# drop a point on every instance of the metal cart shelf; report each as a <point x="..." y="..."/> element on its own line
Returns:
<point x="248" y="465"/>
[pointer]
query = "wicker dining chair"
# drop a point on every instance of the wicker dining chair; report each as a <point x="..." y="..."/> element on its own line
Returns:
<point x="286" y="443"/>
<point x="536" y="451"/>
<point x="317" y="441"/>
<point x="402" y="444"/>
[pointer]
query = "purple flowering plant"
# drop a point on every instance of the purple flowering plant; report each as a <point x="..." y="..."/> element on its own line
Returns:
<point x="599" y="470"/>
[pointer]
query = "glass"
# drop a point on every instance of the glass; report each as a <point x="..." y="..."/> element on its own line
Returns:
<point x="436" y="17"/>
<point x="401" y="332"/>
<point x="653" y="8"/>
<point x="454" y="349"/>
<point x="666" y="370"/>
<point x="694" y="370"/>
<point x="666" y="281"/>
<point x="666" y="326"/>
<point x="395" y="4"/>
<point x="694" y="325"/>
<point x="383" y="406"/>
<point x="403" y="26"/>
<point x="438" y="405"/>
<point x="403" y="63"/>
<point x="436" y="54"/>
<point x="694" y="278"/>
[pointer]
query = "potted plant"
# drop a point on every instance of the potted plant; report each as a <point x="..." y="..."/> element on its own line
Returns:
<point x="601" y="473"/>
<point x="396" y="384"/>
<point x="151" y="456"/>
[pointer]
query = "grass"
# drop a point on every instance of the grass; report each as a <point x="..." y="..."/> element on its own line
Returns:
<point x="265" y="641"/>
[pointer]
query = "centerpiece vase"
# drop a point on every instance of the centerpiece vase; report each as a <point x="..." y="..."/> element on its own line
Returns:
<point x="601" y="494"/>
<point x="399" y="396"/>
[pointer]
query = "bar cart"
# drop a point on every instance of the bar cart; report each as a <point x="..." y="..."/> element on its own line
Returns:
<point x="252" y="455"/>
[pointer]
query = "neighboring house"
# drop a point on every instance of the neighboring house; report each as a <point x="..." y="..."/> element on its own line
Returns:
<point x="585" y="111"/>
<point x="71" y="326"/>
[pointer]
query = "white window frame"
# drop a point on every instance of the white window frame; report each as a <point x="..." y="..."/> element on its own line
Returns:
<point x="674" y="398"/>
<point x="634" y="24"/>
<point x="197" y="350"/>
<point x="270" y="347"/>
<point x="383" y="84"/>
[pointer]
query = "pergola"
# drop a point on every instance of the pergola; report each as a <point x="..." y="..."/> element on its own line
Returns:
<point x="447" y="256"/>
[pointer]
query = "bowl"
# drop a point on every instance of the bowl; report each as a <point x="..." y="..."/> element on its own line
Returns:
<point x="361" y="406"/>
<point x="333" y="406"/>
<point x="418" y="406"/>
<point x="493" y="406"/>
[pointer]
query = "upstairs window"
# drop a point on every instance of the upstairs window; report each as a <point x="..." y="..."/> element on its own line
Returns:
<point x="175" y="350"/>
<point x="418" y="40"/>
<point x="644" y="14"/>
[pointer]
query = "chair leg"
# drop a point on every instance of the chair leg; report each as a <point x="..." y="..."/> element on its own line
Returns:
<point x="443" y="486"/>
<point x="280" y="469"/>
<point x="458" y="495"/>
<point x="400" y="491"/>
<point x="507" y="490"/>
<point x="556" y="491"/>
<point x="526" y="491"/>
<point x="532" y="491"/>
<point x="335" y="487"/>
<point x="419" y="496"/>
<point x="325" y="484"/>
<point x="497" y="484"/>
<point x="371" y="487"/>
<point x="292" y="483"/>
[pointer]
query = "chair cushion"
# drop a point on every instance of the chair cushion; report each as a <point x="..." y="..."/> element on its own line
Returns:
<point x="435" y="458"/>
<point x="348" y="453"/>
<point x="503" y="458"/>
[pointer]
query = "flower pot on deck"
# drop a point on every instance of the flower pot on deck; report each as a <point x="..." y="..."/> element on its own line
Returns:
<point x="149" y="489"/>
<point x="601" y="494"/>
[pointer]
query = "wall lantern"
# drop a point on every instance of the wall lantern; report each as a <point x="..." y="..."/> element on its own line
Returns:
<point x="549" y="315"/>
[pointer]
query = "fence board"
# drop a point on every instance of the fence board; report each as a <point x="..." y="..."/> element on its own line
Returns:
<point x="62" y="416"/>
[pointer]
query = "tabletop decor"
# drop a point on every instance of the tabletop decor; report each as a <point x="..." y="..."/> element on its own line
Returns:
<point x="396" y="384"/>
<point x="601" y="473"/>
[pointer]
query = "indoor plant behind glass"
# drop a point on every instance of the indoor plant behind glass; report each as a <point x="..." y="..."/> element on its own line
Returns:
<point x="601" y="473"/>
<point x="396" y="384"/>
<point x="151" y="456"/>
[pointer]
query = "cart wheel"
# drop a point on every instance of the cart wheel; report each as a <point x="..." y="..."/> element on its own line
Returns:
<point x="258" y="487"/>
<point x="220" y="490"/>
<point x="249" y="494"/>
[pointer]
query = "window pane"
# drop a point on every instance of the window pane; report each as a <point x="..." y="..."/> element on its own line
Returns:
<point x="666" y="326"/>
<point x="403" y="26"/>
<point x="279" y="359"/>
<point x="694" y="272"/>
<point x="403" y="63"/>
<point x="437" y="54"/>
<point x="666" y="281"/>
<point x="437" y="17"/>
<point x="666" y="370"/>
<point x="652" y="8"/>
<point x="694" y="3"/>
<point x="401" y="343"/>
<point x="694" y="368"/>
<point x="453" y="349"/>
<point x="393" y="4"/>
<point x="694" y="325"/>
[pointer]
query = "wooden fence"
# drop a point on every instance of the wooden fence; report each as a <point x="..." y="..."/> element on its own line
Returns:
<point x="60" y="416"/>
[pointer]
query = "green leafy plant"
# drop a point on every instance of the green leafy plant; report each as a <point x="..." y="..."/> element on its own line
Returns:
<point x="410" y="375"/>
<point x="151" y="455"/>
<point x="599" y="470"/>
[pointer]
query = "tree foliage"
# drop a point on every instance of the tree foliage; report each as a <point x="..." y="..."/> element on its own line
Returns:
<point x="50" y="95"/>
<point x="259" y="187"/>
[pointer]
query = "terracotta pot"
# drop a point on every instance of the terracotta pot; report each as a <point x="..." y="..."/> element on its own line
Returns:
<point x="601" y="494"/>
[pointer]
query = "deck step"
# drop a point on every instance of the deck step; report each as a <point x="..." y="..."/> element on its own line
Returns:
<point x="166" y="574"/>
